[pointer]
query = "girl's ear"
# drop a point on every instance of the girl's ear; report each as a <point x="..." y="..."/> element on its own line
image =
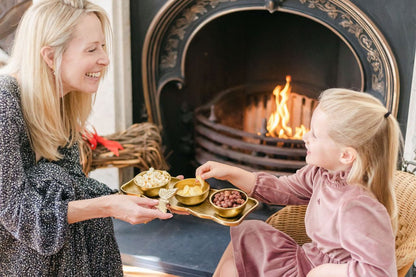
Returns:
<point x="348" y="155"/>
<point x="48" y="53"/>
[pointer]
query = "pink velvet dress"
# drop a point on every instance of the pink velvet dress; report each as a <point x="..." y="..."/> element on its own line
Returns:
<point x="345" y="222"/>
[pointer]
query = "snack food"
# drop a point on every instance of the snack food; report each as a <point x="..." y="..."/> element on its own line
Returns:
<point x="190" y="190"/>
<point x="228" y="199"/>
<point x="152" y="178"/>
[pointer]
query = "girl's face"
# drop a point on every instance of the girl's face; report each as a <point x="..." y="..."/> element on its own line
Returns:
<point x="322" y="151"/>
<point x="85" y="58"/>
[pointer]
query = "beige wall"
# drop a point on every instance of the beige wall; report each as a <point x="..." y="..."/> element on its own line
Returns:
<point x="112" y="109"/>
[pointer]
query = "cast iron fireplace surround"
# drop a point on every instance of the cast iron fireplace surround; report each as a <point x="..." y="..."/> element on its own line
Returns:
<point x="175" y="37"/>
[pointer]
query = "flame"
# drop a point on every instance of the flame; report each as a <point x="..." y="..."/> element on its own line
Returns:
<point x="278" y="123"/>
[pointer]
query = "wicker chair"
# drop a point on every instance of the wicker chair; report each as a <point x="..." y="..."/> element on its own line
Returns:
<point x="290" y="220"/>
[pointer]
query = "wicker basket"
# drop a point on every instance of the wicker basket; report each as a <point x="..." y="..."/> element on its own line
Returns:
<point x="142" y="145"/>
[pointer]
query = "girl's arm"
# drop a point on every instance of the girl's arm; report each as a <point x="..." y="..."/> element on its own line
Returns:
<point x="131" y="209"/>
<point x="329" y="270"/>
<point x="295" y="189"/>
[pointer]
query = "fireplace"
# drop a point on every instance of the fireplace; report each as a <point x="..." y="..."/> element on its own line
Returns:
<point x="197" y="55"/>
<point x="255" y="128"/>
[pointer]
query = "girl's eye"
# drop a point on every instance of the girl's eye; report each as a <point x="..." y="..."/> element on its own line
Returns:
<point x="92" y="50"/>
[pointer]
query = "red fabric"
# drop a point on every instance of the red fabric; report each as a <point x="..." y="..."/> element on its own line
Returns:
<point x="94" y="139"/>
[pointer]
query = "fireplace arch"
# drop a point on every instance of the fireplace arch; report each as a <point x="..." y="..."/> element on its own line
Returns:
<point x="177" y="22"/>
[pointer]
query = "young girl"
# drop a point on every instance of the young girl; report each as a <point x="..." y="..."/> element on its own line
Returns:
<point x="55" y="221"/>
<point x="352" y="151"/>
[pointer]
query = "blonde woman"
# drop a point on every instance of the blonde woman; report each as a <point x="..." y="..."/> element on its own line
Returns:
<point x="55" y="221"/>
<point x="352" y="151"/>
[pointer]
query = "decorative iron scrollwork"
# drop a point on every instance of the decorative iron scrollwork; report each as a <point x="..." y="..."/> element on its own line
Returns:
<point x="373" y="56"/>
<point x="178" y="30"/>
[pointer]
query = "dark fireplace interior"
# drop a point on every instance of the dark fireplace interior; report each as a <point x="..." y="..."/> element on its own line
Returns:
<point x="256" y="49"/>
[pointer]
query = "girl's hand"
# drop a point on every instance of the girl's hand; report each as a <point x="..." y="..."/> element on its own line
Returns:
<point x="134" y="209"/>
<point x="329" y="270"/>
<point x="243" y="179"/>
<point x="216" y="170"/>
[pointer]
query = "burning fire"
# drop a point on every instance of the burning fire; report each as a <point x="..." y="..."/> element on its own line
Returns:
<point x="279" y="120"/>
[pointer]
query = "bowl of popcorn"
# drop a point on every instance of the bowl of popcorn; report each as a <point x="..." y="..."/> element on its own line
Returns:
<point x="228" y="202"/>
<point x="151" y="181"/>
<point x="191" y="191"/>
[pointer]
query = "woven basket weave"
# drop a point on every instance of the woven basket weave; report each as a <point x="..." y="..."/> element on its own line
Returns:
<point x="405" y="188"/>
<point x="291" y="220"/>
<point x="142" y="145"/>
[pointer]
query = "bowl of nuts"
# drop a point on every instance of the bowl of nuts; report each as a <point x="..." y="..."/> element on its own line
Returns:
<point x="228" y="202"/>
<point x="190" y="191"/>
<point x="151" y="181"/>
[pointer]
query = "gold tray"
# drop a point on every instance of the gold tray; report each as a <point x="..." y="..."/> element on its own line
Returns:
<point x="203" y="210"/>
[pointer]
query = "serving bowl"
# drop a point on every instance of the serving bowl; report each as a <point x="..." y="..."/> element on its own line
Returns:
<point x="151" y="181"/>
<point x="191" y="198"/>
<point x="225" y="195"/>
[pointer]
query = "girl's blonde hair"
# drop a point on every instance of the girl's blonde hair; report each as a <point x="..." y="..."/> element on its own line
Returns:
<point x="53" y="121"/>
<point x="360" y="120"/>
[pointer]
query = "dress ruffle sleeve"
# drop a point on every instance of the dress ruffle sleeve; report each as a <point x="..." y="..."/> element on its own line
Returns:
<point x="295" y="189"/>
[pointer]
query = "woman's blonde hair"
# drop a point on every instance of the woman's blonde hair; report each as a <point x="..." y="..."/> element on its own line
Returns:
<point x="360" y="120"/>
<point x="53" y="121"/>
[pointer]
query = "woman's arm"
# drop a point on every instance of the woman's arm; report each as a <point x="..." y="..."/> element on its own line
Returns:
<point x="132" y="209"/>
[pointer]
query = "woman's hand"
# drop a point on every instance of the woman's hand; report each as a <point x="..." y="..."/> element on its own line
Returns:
<point x="129" y="208"/>
<point x="134" y="209"/>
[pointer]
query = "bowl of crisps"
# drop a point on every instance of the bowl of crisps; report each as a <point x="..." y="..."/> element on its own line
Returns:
<point x="151" y="181"/>
<point x="191" y="192"/>
<point x="228" y="202"/>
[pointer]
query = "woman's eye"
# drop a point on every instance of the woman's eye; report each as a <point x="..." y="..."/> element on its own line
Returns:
<point x="92" y="50"/>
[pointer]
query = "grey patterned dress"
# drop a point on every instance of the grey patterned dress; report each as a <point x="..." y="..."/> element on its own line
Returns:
<point x="35" y="237"/>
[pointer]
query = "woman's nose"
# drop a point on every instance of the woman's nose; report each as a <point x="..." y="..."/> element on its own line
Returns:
<point x="103" y="59"/>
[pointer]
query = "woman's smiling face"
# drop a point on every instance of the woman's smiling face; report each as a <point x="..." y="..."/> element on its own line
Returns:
<point x="85" y="57"/>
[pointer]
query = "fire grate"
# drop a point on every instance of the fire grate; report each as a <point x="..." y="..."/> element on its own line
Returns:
<point x="220" y="135"/>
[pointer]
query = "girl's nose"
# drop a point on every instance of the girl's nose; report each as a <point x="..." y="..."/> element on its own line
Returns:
<point x="306" y="136"/>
